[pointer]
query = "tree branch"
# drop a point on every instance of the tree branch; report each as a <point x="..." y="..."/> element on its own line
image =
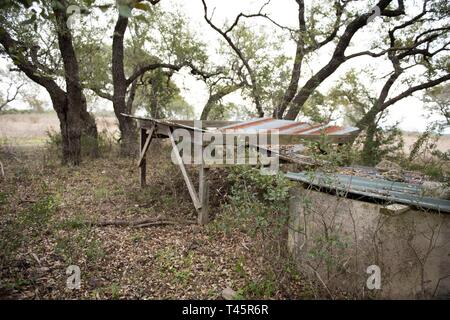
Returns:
<point x="241" y="56"/>
<point x="15" y="50"/>
<point x="151" y="66"/>
<point x="337" y="58"/>
<point x="101" y="93"/>
<point x="8" y="99"/>
<point x="411" y="90"/>
<point x="333" y="34"/>
<point x="240" y="15"/>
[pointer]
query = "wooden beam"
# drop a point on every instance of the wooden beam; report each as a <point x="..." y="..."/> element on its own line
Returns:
<point x="206" y="123"/>
<point x="189" y="123"/>
<point x="144" y="147"/>
<point x="143" y="163"/>
<point x="203" y="191"/>
<point x="187" y="180"/>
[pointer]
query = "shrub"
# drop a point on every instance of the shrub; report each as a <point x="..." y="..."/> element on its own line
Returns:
<point x="104" y="141"/>
<point x="257" y="201"/>
<point x="258" y="205"/>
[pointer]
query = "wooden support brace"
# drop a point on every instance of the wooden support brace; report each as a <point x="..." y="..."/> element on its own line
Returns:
<point x="146" y="145"/>
<point x="203" y="191"/>
<point x="187" y="180"/>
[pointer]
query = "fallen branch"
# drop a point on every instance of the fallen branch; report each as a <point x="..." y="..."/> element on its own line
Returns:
<point x="27" y="201"/>
<point x="122" y="222"/>
<point x="1" y="170"/>
<point x="139" y="223"/>
<point x="158" y="223"/>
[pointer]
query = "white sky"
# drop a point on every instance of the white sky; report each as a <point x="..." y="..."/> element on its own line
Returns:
<point x="409" y="111"/>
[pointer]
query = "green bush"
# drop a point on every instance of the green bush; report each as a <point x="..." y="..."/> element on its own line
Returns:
<point x="104" y="141"/>
<point x="256" y="201"/>
<point x="40" y="212"/>
<point x="258" y="205"/>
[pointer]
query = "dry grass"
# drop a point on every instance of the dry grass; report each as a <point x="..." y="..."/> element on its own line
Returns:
<point x="443" y="143"/>
<point x="32" y="128"/>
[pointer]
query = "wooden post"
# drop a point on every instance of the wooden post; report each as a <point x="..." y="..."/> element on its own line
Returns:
<point x="203" y="191"/>
<point x="143" y="162"/>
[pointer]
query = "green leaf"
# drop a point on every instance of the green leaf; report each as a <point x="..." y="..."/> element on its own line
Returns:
<point x="124" y="10"/>
<point x="142" y="6"/>
<point x="104" y="8"/>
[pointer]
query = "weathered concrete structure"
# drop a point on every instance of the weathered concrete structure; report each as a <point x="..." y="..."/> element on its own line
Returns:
<point x="336" y="239"/>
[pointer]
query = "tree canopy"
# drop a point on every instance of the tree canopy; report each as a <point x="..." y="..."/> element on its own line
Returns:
<point x="130" y="53"/>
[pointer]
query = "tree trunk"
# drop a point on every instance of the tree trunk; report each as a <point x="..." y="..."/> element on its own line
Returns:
<point x="369" y="151"/>
<point x="69" y="105"/>
<point x="207" y="109"/>
<point x="311" y="85"/>
<point x="71" y="117"/>
<point x="89" y="131"/>
<point x="127" y="126"/>
<point x="154" y="106"/>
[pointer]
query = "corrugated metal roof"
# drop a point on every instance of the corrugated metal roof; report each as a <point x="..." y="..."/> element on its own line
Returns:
<point x="289" y="127"/>
<point x="400" y="192"/>
<point x="289" y="132"/>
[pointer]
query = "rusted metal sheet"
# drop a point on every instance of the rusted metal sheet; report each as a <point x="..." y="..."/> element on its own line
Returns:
<point x="287" y="127"/>
<point x="289" y="132"/>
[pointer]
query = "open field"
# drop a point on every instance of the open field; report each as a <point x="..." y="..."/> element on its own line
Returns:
<point x="31" y="129"/>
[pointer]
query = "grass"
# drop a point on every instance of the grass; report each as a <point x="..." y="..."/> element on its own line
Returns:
<point x="79" y="248"/>
<point x="27" y="141"/>
<point x="263" y="288"/>
<point x="3" y="198"/>
<point x="115" y="291"/>
<point x="75" y="222"/>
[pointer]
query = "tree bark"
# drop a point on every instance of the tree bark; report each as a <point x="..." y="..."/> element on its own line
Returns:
<point x="71" y="118"/>
<point x="369" y="148"/>
<point x="207" y="108"/>
<point x="127" y="127"/>
<point x="154" y="106"/>
<point x="89" y="131"/>
<point x="298" y="60"/>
